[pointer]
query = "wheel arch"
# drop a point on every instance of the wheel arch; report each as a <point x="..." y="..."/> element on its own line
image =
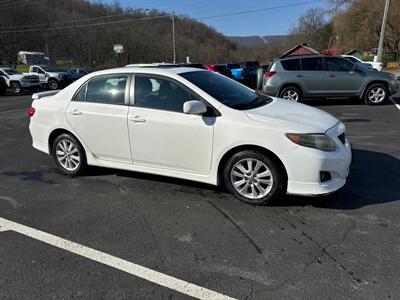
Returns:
<point x="385" y="83"/>
<point x="57" y="132"/>
<point x="224" y="159"/>
<point x="285" y="85"/>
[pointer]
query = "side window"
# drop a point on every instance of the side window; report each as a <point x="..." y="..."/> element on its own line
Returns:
<point x="81" y="96"/>
<point x="35" y="70"/>
<point x="159" y="93"/>
<point x="312" y="64"/>
<point x="107" y="89"/>
<point x="40" y="71"/>
<point x="335" y="64"/>
<point x="291" y="64"/>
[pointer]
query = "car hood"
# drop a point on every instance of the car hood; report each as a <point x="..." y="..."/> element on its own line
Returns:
<point x="293" y="117"/>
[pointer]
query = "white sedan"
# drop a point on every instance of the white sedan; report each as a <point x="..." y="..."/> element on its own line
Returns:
<point x="192" y="124"/>
<point x="376" y="66"/>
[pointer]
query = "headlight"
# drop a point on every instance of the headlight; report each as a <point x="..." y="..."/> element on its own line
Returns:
<point x="313" y="140"/>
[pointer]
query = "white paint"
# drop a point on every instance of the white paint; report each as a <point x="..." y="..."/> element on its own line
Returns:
<point x="395" y="103"/>
<point x="164" y="280"/>
<point x="10" y="200"/>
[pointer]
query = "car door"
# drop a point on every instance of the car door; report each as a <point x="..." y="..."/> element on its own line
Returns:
<point x="345" y="78"/>
<point x="162" y="136"/>
<point x="98" y="114"/>
<point x="39" y="72"/>
<point x="314" y="76"/>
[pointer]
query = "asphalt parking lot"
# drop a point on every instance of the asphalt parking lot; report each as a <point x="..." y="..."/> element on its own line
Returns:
<point x="346" y="245"/>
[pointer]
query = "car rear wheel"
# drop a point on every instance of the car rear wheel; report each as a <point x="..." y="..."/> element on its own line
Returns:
<point x="69" y="154"/>
<point x="16" y="88"/>
<point x="376" y="94"/>
<point x="291" y="93"/>
<point x="53" y="84"/>
<point x="254" y="178"/>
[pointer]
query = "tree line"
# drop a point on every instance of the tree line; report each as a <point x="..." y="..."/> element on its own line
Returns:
<point x="83" y="33"/>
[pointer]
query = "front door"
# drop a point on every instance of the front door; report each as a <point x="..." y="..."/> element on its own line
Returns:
<point x="98" y="114"/>
<point x="345" y="80"/>
<point x="162" y="136"/>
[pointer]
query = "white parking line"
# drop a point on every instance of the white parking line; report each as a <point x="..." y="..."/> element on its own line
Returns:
<point x="167" y="281"/>
<point x="395" y="103"/>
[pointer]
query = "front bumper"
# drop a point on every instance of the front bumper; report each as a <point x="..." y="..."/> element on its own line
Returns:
<point x="29" y="84"/>
<point x="304" y="167"/>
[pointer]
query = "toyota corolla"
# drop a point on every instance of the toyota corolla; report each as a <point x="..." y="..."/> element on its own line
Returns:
<point x="192" y="124"/>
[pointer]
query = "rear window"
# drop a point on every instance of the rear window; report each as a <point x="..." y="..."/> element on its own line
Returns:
<point x="291" y="64"/>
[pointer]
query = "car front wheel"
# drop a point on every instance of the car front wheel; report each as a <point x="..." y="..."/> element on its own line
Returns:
<point x="69" y="154"/>
<point x="376" y="94"/>
<point x="254" y="178"/>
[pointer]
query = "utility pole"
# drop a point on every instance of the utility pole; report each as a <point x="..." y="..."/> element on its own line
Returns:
<point x="173" y="36"/>
<point x="383" y="29"/>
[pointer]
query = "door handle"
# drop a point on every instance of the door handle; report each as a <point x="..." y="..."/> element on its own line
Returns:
<point x="137" y="119"/>
<point x="332" y="76"/>
<point x="76" y="112"/>
<point x="300" y="76"/>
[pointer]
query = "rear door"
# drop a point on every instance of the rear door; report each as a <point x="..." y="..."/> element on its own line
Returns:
<point x="344" y="80"/>
<point x="98" y="114"/>
<point x="314" y="77"/>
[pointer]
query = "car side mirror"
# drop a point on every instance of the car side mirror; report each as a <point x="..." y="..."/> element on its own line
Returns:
<point x="194" y="107"/>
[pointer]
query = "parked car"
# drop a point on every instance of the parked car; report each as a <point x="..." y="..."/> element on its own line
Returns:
<point x="376" y="66"/>
<point x="192" y="124"/>
<point x="321" y="76"/>
<point x="250" y="69"/>
<point x="236" y="70"/>
<point x="77" y="73"/>
<point x="52" y="78"/>
<point x="221" y="69"/>
<point x="17" y="82"/>
<point x="3" y="85"/>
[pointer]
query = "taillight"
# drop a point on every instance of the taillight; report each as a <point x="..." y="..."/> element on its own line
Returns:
<point x="31" y="112"/>
<point x="269" y="74"/>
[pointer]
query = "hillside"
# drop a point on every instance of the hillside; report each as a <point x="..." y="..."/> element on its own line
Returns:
<point x="79" y="32"/>
<point x="256" y="40"/>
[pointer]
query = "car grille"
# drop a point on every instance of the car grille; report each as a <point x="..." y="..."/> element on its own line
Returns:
<point x="342" y="138"/>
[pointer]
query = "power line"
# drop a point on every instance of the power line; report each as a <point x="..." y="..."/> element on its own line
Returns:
<point x="85" y="25"/>
<point x="18" y="5"/>
<point x="258" y="10"/>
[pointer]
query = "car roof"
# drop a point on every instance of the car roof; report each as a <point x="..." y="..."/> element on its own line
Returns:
<point x="152" y="70"/>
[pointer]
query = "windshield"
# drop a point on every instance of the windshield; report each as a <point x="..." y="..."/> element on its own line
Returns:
<point x="57" y="70"/>
<point x="11" y="71"/>
<point x="227" y="91"/>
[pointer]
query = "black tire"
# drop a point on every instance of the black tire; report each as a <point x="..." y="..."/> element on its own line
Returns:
<point x="382" y="96"/>
<point x="59" y="146"/>
<point x="260" y="79"/>
<point x="16" y="88"/>
<point x="2" y="91"/>
<point x="290" y="90"/>
<point x="273" y="191"/>
<point x="53" y="84"/>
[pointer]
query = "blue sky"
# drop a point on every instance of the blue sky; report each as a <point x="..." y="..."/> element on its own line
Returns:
<point x="267" y="22"/>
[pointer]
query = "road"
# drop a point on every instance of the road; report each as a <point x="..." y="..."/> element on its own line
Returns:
<point x="346" y="245"/>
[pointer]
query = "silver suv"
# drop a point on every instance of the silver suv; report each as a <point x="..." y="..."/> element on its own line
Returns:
<point x="321" y="76"/>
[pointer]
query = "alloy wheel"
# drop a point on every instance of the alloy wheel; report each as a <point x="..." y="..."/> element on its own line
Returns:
<point x="68" y="155"/>
<point x="291" y="95"/>
<point x="251" y="178"/>
<point x="377" y="95"/>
